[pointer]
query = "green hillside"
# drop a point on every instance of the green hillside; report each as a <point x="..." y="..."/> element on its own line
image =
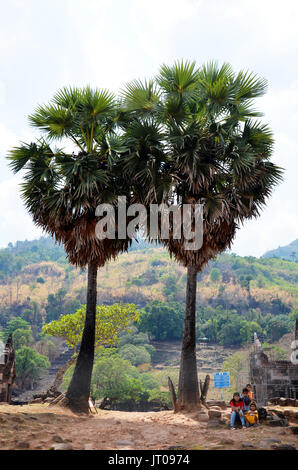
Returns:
<point x="236" y="295"/>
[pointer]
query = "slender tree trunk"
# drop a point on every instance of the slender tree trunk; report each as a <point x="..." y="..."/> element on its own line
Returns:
<point x="188" y="388"/>
<point x="60" y="374"/>
<point x="78" y="392"/>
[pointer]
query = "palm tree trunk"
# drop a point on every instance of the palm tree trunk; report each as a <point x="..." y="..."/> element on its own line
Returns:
<point x="78" y="392"/>
<point x="188" y="388"/>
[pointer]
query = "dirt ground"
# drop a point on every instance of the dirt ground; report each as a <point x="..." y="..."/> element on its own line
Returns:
<point x="43" y="428"/>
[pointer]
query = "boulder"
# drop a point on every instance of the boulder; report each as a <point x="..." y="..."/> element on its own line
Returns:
<point x="214" y="414"/>
<point x="203" y="417"/>
<point x="273" y="401"/>
<point x="291" y="402"/>
<point x="58" y="439"/>
<point x="291" y="413"/>
<point x="219" y="403"/>
<point x="294" y="429"/>
<point x="124" y="443"/>
<point x="265" y="444"/>
<point x="227" y="441"/>
<point x="272" y="440"/>
<point x="277" y="422"/>
<point x="283" y="402"/>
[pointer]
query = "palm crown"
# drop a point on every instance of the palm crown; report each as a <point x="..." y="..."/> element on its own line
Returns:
<point x="62" y="190"/>
<point x="203" y="142"/>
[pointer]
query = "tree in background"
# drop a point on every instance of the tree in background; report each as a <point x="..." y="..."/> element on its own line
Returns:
<point x="32" y="314"/>
<point x="116" y="379"/>
<point x="277" y="326"/>
<point x="274" y="353"/>
<point x="163" y="321"/>
<point x="237" y="365"/>
<point x="247" y="331"/>
<point x="61" y="191"/>
<point x="30" y="365"/>
<point x="215" y="275"/>
<point x="16" y="323"/>
<point x="195" y="138"/>
<point x="138" y="339"/>
<point x="46" y="347"/>
<point x="54" y="306"/>
<point x="110" y="322"/>
<point x="113" y="378"/>
<point x="135" y="354"/>
<point x="22" y="337"/>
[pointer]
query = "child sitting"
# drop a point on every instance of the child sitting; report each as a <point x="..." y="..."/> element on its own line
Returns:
<point x="237" y="410"/>
<point x="252" y="415"/>
<point x="250" y="392"/>
<point x="246" y="400"/>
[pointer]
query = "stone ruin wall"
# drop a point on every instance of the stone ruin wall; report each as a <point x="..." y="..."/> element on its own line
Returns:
<point x="272" y="379"/>
<point x="7" y="372"/>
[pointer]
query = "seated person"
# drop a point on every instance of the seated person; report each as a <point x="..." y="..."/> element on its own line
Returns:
<point x="246" y="400"/>
<point x="237" y="410"/>
<point x="250" y="392"/>
<point x="252" y="416"/>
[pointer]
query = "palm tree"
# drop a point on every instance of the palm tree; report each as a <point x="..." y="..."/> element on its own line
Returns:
<point x="61" y="191"/>
<point x="214" y="151"/>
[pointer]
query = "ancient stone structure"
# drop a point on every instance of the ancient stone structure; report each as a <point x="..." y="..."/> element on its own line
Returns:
<point x="7" y="370"/>
<point x="272" y="379"/>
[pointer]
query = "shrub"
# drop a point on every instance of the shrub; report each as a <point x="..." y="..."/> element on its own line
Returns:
<point x="135" y="354"/>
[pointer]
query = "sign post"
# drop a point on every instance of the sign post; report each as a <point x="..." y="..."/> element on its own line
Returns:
<point x="222" y="380"/>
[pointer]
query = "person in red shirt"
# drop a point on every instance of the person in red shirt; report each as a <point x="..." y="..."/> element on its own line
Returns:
<point x="237" y="406"/>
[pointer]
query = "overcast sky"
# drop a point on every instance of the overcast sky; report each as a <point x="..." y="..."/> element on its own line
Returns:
<point x="47" y="44"/>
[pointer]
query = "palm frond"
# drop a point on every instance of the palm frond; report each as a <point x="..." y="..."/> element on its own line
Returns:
<point x="55" y="120"/>
<point x="180" y="79"/>
<point x="140" y="96"/>
<point x="248" y="86"/>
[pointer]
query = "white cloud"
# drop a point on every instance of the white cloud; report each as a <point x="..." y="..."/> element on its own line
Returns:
<point x="7" y="138"/>
<point x="162" y="15"/>
<point x="15" y="223"/>
<point x="2" y="93"/>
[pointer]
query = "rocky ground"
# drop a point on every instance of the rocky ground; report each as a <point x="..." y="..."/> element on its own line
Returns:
<point x="43" y="427"/>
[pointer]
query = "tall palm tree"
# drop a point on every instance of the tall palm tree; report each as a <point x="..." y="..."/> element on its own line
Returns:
<point x="215" y="152"/>
<point x="61" y="191"/>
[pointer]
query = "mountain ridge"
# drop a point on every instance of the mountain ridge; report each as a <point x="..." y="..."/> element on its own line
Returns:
<point x="287" y="252"/>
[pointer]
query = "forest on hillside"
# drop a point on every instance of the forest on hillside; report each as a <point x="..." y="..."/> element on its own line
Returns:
<point x="38" y="285"/>
<point x="237" y="296"/>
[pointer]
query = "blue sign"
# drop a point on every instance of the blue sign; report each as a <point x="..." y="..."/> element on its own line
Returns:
<point x="222" y="380"/>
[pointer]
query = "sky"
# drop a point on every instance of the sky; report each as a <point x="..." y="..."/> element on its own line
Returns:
<point x="48" y="44"/>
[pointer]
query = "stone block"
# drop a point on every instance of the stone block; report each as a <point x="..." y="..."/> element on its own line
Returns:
<point x="214" y="414"/>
